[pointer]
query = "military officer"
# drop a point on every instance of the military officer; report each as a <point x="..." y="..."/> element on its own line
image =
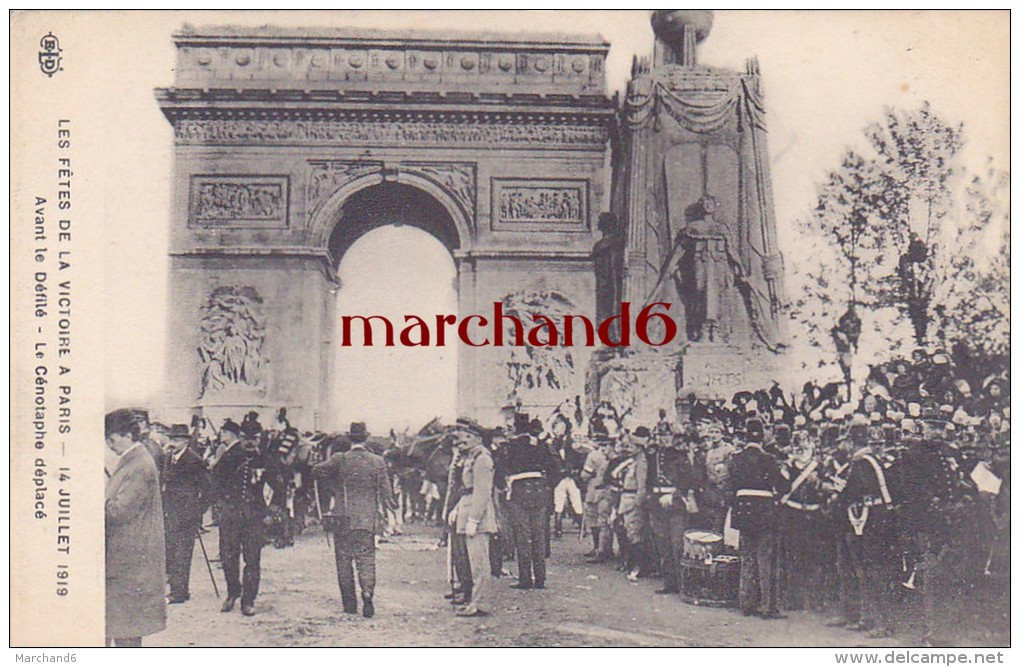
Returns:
<point x="238" y="471"/>
<point x="867" y="503"/>
<point x="607" y="497"/>
<point x="590" y="478"/>
<point x="717" y="451"/>
<point x="801" y="523"/>
<point x="361" y="492"/>
<point x="633" y="497"/>
<point x="476" y="513"/>
<point x="527" y="467"/>
<point x="672" y="484"/>
<point x="755" y="478"/>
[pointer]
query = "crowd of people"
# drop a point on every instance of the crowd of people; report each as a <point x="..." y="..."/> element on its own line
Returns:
<point x="747" y="501"/>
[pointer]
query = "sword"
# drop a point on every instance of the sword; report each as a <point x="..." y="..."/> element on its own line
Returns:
<point x="208" y="565"/>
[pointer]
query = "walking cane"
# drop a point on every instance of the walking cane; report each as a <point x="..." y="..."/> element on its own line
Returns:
<point x="318" y="511"/>
<point x="208" y="565"/>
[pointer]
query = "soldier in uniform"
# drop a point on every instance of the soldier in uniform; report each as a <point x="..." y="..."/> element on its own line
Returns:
<point x="867" y="503"/>
<point x="633" y="497"/>
<point x="607" y="497"/>
<point x="755" y="478"/>
<point x="528" y="465"/>
<point x="672" y="484"/>
<point x="715" y="458"/>
<point x="476" y="513"/>
<point x="925" y="489"/>
<point x="461" y="583"/>
<point x="593" y="462"/>
<point x="800" y="522"/>
<point x="238" y="471"/>
<point x="362" y="493"/>
<point x="187" y="493"/>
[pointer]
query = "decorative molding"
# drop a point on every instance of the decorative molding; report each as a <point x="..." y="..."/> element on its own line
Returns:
<point x="456" y="178"/>
<point x="241" y="201"/>
<point x="267" y="61"/>
<point x="541" y="204"/>
<point x="327" y="176"/>
<point x="451" y="132"/>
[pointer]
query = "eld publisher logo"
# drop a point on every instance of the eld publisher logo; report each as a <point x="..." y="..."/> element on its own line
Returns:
<point x="49" y="54"/>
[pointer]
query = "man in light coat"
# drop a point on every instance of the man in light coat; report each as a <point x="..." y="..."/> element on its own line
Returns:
<point x="361" y="493"/>
<point x="135" y="550"/>
<point x="476" y="513"/>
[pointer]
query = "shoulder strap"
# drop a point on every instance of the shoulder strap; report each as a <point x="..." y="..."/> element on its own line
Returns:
<point x="880" y="476"/>
<point x="801" y="478"/>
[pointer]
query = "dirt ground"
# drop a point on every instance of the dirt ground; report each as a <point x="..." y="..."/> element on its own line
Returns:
<point x="584" y="605"/>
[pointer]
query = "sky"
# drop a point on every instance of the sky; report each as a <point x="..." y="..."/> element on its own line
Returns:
<point x="826" y="76"/>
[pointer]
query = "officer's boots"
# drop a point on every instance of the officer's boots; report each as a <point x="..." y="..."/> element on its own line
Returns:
<point x="594" y="544"/>
<point x="558" y="528"/>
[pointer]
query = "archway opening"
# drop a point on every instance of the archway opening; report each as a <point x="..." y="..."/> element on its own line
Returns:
<point x="393" y="245"/>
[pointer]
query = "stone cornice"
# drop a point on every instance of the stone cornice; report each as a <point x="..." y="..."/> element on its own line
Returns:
<point x="368" y="38"/>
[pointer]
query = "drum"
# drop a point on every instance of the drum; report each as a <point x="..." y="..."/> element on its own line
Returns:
<point x="709" y="571"/>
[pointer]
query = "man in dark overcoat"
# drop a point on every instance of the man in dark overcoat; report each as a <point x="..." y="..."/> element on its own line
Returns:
<point x="187" y="493"/>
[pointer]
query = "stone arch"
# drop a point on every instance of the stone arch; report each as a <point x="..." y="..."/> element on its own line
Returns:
<point x="329" y="214"/>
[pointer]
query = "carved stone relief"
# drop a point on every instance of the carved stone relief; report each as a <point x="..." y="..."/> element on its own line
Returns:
<point x="233" y="331"/>
<point x="546" y="203"/>
<point x="239" y="201"/>
<point x="409" y="133"/>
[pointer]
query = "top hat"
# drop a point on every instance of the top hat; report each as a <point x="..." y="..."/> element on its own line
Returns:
<point x="358" y="432"/>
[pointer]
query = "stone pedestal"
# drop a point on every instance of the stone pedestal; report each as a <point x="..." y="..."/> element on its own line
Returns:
<point x="637" y="383"/>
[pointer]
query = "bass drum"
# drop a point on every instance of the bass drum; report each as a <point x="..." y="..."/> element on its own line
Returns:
<point x="709" y="571"/>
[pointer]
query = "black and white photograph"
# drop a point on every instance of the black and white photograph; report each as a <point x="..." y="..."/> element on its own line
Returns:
<point x="561" y="328"/>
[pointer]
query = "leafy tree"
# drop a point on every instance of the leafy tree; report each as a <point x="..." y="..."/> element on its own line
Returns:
<point x="901" y="246"/>
<point x="972" y="300"/>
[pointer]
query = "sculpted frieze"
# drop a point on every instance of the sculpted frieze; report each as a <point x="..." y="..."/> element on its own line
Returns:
<point x="539" y="202"/>
<point x="239" y="201"/>
<point x="372" y="133"/>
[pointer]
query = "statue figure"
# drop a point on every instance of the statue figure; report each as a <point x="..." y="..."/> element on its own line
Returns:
<point x="702" y="273"/>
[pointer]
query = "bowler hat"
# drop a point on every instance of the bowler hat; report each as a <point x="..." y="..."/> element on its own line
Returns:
<point x="358" y="432"/>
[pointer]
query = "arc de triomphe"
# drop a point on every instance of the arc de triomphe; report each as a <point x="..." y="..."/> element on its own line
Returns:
<point x="291" y="145"/>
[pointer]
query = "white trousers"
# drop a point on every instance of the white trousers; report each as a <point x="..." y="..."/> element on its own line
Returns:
<point x="567" y="489"/>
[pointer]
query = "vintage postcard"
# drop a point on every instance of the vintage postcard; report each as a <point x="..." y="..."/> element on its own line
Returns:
<point x="663" y="328"/>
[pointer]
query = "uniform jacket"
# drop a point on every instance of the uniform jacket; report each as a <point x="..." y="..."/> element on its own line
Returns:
<point x="671" y="467"/>
<point x="477" y="505"/>
<point x="187" y="490"/>
<point x="590" y="473"/>
<point x="864" y="489"/>
<point x="239" y="477"/>
<point x="361" y="487"/>
<point x="135" y="551"/>
<point x="753" y="475"/>
<point x="523" y="456"/>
